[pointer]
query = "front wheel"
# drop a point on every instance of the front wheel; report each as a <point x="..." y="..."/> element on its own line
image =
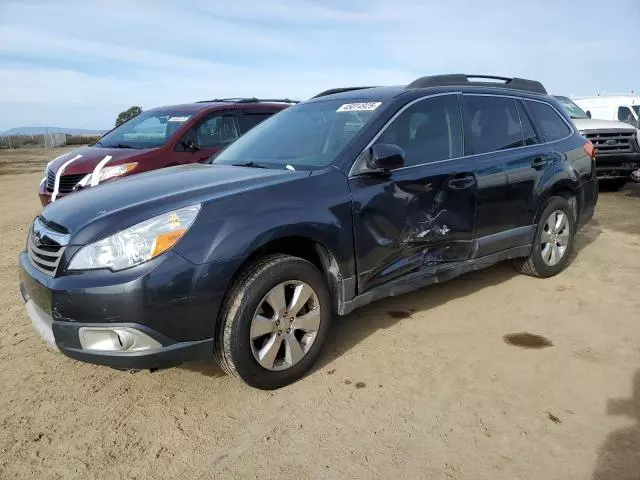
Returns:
<point x="274" y="323"/>
<point x="553" y="242"/>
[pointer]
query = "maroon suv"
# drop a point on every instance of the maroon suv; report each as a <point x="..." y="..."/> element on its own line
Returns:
<point x="157" y="138"/>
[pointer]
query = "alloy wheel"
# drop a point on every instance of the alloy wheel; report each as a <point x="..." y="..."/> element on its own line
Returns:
<point x="285" y="325"/>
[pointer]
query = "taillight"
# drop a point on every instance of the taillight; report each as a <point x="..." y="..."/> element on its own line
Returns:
<point x="590" y="149"/>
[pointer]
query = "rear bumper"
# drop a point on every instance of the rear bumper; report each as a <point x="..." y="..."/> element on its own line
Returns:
<point x="590" y="192"/>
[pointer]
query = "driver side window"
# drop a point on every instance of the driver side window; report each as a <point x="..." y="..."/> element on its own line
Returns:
<point x="625" y="115"/>
<point x="428" y="131"/>
<point x="216" y="131"/>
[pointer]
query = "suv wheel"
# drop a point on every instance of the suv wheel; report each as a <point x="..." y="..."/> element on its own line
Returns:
<point x="553" y="241"/>
<point x="612" y="184"/>
<point x="274" y="322"/>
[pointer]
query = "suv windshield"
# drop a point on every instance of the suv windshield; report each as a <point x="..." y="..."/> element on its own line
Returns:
<point x="307" y="136"/>
<point x="573" y="110"/>
<point x="148" y="130"/>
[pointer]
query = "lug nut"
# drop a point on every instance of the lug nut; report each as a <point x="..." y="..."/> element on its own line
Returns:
<point x="277" y="322"/>
<point x="288" y="330"/>
<point x="279" y="332"/>
<point x="291" y="319"/>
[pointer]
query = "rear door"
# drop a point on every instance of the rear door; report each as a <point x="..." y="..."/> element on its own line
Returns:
<point x="420" y="215"/>
<point x="499" y="137"/>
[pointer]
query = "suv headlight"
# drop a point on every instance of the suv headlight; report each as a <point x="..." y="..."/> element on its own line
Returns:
<point x="115" y="171"/>
<point x="137" y="244"/>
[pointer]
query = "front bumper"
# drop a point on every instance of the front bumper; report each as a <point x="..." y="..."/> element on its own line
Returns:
<point x="168" y="300"/>
<point x="616" y="165"/>
<point x="44" y="194"/>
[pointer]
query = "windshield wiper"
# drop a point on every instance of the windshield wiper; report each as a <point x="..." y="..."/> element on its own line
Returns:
<point x="122" y="145"/>
<point x="248" y="164"/>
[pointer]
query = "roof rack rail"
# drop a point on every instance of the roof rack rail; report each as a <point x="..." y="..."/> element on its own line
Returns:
<point x="331" y="91"/>
<point x="251" y="100"/>
<point x="461" y="79"/>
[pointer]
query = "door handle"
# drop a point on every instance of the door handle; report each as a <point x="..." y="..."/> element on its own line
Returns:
<point x="539" y="163"/>
<point x="462" y="181"/>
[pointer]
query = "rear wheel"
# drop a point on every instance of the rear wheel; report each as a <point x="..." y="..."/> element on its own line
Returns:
<point x="274" y="322"/>
<point x="553" y="241"/>
<point x="612" y="184"/>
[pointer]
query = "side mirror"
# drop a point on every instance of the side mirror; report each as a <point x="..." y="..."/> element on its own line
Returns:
<point x="385" y="157"/>
<point x="588" y="114"/>
<point x="190" y="146"/>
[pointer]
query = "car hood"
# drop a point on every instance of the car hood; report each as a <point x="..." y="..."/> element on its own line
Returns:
<point x="585" y="124"/>
<point x="100" y="211"/>
<point x="86" y="158"/>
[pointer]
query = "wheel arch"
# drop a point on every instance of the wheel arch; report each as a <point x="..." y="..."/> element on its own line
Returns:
<point x="315" y="252"/>
<point x="564" y="188"/>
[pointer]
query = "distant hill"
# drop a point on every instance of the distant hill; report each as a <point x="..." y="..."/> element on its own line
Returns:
<point x="42" y="130"/>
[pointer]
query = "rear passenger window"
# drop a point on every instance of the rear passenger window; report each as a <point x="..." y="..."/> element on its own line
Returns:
<point x="530" y="137"/>
<point x="550" y="124"/>
<point x="494" y="123"/>
<point x="249" y="120"/>
<point x="428" y="131"/>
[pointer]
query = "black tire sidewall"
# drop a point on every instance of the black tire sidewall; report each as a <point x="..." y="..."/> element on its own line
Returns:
<point x="253" y="291"/>
<point x="553" y="204"/>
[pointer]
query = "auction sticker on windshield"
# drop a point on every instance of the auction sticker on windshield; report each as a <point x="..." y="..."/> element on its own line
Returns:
<point x="178" y="119"/>
<point x="359" y="107"/>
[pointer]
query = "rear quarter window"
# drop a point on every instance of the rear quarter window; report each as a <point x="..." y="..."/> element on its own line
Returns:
<point x="550" y="124"/>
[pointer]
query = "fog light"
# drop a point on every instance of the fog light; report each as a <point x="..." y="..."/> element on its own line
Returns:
<point x="116" y="339"/>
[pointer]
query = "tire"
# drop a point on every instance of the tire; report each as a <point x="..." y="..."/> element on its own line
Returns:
<point x="612" y="184"/>
<point x="535" y="264"/>
<point x="238" y="354"/>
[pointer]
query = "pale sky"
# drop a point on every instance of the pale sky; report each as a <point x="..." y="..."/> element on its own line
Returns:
<point x="76" y="64"/>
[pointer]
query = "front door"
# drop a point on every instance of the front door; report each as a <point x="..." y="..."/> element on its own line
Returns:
<point x="211" y="134"/>
<point x="420" y="215"/>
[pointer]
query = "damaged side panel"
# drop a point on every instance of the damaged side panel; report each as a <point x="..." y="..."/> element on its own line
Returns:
<point x="412" y="219"/>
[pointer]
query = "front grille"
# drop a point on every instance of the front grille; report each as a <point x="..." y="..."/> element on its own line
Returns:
<point x="612" y="142"/>
<point x="67" y="182"/>
<point x="45" y="247"/>
<point x="51" y="180"/>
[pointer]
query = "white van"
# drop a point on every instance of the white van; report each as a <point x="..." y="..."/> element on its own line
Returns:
<point x="624" y="108"/>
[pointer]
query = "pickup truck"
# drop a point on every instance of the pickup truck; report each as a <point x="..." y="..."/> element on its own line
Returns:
<point x="616" y="145"/>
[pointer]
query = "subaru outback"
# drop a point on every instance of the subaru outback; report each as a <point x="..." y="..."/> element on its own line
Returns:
<point x="350" y="197"/>
<point x="158" y="138"/>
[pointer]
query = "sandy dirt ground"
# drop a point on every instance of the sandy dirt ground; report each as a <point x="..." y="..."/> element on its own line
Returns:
<point x="418" y="386"/>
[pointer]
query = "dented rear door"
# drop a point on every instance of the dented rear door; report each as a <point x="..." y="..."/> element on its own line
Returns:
<point x="421" y="215"/>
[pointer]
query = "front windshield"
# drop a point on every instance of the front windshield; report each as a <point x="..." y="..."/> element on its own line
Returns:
<point x="148" y="130"/>
<point x="304" y="137"/>
<point x="573" y="110"/>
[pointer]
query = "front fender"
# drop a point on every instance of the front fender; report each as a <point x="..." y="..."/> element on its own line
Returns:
<point x="317" y="207"/>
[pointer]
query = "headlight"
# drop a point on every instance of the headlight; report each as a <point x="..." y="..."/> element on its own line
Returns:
<point x="115" y="171"/>
<point x="137" y="244"/>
